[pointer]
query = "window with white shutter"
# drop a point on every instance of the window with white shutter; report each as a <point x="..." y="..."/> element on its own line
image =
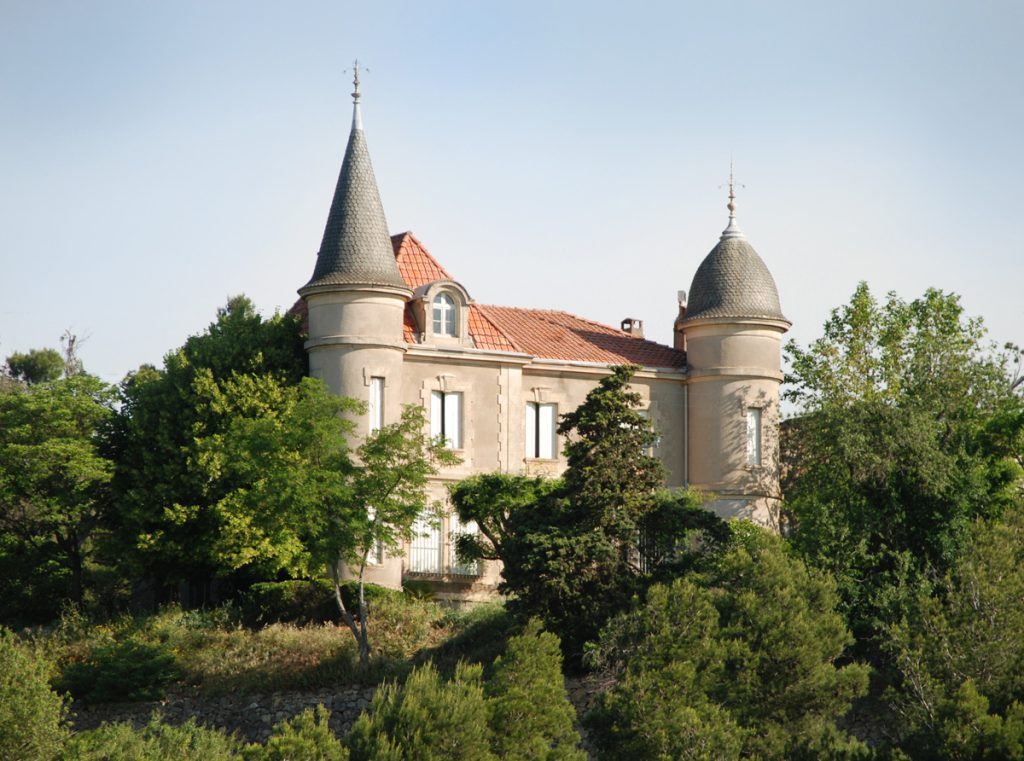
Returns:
<point x="376" y="406"/>
<point x="754" y="436"/>
<point x="540" y="430"/>
<point x="446" y="418"/>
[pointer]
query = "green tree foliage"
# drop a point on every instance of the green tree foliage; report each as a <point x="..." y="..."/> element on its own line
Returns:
<point x="36" y="366"/>
<point x="53" y="489"/>
<point x="739" y="661"/>
<point x="166" y="526"/>
<point x="157" y="741"/>
<point x="895" y="452"/>
<point x="307" y="737"/>
<point x="292" y="498"/>
<point x="960" y="649"/>
<point x="530" y="714"/>
<point x="575" y="552"/>
<point x="426" y="719"/>
<point x="32" y="716"/>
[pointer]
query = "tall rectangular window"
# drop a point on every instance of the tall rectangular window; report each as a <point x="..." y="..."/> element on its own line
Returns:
<point x="446" y="417"/>
<point x="540" y="430"/>
<point x="456" y="528"/>
<point x="753" y="436"/>
<point x="425" y="549"/>
<point x="376" y="407"/>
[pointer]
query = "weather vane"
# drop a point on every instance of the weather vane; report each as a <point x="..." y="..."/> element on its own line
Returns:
<point x="732" y="191"/>
<point x="355" y="79"/>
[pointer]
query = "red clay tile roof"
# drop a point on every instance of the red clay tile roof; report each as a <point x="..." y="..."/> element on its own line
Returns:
<point x="543" y="333"/>
<point x="551" y="334"/>
<point x="487" y="335"/>
<point x="415" y="263"/>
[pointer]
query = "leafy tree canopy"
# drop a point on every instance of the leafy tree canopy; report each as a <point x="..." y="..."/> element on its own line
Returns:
<point x="53" y="483"/>
<point x="906" y="435"/>
<point x="162" y="488"/>
<point x="959" y="650"/>
<point x="36" y="365"/>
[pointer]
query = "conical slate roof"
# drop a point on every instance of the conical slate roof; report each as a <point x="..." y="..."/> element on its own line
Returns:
<point x="733" y="281"/>
<point x="356" y="247"/>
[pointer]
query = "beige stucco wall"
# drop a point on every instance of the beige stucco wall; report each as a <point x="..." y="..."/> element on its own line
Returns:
<point x="734" y="366"/>
<point x="356" y="335"/>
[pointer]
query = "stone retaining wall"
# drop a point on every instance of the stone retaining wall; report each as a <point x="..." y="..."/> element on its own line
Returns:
<point x="253" y="716"/>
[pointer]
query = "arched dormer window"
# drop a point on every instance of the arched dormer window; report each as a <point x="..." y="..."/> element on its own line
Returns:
<point x="446" y="315"/>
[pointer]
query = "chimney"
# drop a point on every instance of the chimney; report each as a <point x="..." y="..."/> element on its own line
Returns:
<point x="633" y="326"/>
<point x="678" y="336"/>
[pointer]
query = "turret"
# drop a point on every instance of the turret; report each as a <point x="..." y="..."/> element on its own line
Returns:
<point x="356" y="301"/>
<point x="732" y="327"/>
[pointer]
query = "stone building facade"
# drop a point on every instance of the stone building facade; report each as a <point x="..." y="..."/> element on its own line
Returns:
<point x="389" y="325"/>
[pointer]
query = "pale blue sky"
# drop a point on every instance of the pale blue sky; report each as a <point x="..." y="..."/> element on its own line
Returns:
<point x="157" y="158"/>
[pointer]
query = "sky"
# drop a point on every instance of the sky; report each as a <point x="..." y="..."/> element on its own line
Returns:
<point x="156" y="159"/>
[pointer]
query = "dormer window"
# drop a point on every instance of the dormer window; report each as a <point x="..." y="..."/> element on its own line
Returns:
<point x="445" y="315"/>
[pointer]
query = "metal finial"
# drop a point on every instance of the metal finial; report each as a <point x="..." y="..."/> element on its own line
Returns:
<point x="733" y="230"/>
<point x="732" y="194"/>
<point x="357" y="117"/>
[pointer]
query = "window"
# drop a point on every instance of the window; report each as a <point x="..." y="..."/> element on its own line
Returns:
<point x="754" y="436"/>
<point x="446" y="418"/>
<point x="540" y="430"/>
<point x="457" y="527"/>
<point x="444" y="315"/>
<point x="376" y="407"/>
<point x="425" y="550"/>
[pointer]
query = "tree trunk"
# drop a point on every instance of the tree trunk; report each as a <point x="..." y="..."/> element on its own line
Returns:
<point x="359" y="632"/>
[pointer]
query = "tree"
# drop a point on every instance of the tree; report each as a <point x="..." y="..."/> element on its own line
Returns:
<point x="32" y="716"/>
<point x="575" y="552"/>
<point x="164" y="522"/>
<point x="36" y="366"/>
<point x="959" y="651"/>
<point x="739" y="660"/>
<point x="891" y="458"/>
<point x="53" y="478"/>
<point x="530" y="714"/>
<point x="286" y="494"/>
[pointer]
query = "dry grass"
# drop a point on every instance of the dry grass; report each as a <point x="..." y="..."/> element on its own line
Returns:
<point x="216" y="655"/>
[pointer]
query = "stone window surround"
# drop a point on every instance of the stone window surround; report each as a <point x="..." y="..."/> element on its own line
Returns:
<point x="423" y="309"/>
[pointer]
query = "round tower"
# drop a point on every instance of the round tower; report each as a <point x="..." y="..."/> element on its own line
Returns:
<point x="356" y="297"/>
<point x="732" y="327"/>
<point x="356" y="303"/>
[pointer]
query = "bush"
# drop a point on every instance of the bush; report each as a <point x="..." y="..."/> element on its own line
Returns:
<point x="425" y="719"/>
<point x="154" y="742"/>
<point x="305" y="602"/>
<point x="31" y="714"/>
<point x="742" y="659"/>
<point x="121" y="671"/>
<point x="530" y="714"/>
<point x="307" y="737"/>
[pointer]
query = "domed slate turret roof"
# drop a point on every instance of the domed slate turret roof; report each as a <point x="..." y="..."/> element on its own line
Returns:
<point x="733" y="281"/>
<point x="356" y="247"/>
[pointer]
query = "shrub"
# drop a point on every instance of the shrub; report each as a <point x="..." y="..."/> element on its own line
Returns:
<point x="741" y="659"/>
<point x="425" y="719"/>
<point x="307" y="737"/>
<point x="530" y="714"/>
<point x="154" y="742"/>
<point x="31" y="714"/>
<point x="305" y="602"/>
<point x="121" y="671"/>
